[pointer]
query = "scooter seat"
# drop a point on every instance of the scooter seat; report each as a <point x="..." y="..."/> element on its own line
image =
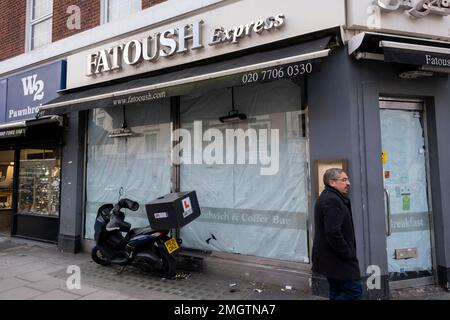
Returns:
<point x="139" y="231"/>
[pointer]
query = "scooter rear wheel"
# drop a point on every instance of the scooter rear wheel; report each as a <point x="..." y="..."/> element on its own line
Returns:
<point x="98" y="257"/>
<point x="169" y="263"/>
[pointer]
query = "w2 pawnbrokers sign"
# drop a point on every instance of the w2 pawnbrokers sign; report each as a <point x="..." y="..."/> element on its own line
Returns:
<point x="27" y="91"/>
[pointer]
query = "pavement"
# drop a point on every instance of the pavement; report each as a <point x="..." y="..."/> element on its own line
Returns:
<point x="32" y="270"/>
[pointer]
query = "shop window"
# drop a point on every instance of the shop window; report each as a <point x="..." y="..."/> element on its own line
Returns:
<point x="114" y="10"/>
<point x="39" y="182"/>
<point x="40" y="13"/>
<point x="244" y="210"/>
<point x="140" y="163"/>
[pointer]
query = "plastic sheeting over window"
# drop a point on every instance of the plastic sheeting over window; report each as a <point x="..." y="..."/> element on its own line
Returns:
<point x="140" y="163"/>
<point x="243" y="210"/>
<point x="406" y="181"/>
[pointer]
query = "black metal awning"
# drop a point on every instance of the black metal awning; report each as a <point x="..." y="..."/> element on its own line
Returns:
<point x="19" y="128"/>
<point x="429" y="55"/>
<point x="295" y="60"/>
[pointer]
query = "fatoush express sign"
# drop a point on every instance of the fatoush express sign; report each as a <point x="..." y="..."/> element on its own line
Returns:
<point x="177" y="40"/>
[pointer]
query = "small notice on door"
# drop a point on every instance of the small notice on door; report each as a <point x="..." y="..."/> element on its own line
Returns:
<point x="384" y="156"/>
<point x="406" y="202"/>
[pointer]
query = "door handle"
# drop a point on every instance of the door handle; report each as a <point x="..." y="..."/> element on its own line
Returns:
<point x="389" y="214"/>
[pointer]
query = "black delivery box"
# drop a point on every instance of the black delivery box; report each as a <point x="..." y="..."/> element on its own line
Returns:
<point x="174" y="210"/>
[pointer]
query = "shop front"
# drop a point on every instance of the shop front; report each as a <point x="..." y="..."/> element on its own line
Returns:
<point x="248" y="115"/>
<point x="226" y="117"/>
<point x="30" y="154"/>
<point x="224" y="137"/>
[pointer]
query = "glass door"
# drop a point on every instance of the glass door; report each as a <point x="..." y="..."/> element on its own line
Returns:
<point x="404" y="157"/>
<point x="39" y="182"/>
<point x="6" y="190"/>
<point x="38" y="194"/>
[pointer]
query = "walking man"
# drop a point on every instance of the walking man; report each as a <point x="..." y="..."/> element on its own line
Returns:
<point x="334" y="248"/>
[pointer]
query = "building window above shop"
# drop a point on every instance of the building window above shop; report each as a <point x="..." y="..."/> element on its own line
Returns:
<point x="113" y="10"/>
<point x="40" y="14"/>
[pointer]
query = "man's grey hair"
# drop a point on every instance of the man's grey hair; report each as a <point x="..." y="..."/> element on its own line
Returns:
<point x="331" y="174"/>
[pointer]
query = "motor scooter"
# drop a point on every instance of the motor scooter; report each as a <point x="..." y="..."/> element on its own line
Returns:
<point x="147" y="249"/>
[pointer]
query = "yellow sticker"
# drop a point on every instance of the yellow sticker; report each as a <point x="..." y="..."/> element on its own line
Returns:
<point x="384" y="157"/>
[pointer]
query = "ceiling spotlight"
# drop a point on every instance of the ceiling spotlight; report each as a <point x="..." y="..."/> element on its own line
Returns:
<point x="121" y="133"/>
<point x="124" y="131"/>
<point x="234" y="115"/>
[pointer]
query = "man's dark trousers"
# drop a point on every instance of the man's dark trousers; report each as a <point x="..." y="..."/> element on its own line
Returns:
<point x="345" y="289"/>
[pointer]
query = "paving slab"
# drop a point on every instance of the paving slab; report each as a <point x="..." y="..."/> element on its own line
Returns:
<point x="105" y="295"/>
<point x="11" y="283"/>
<point x="48" y="285"/>
<point x="33" y="276"/>
<point x="57" y="295"/>
<point x="20" y="293"/>
<point x="83" y="291"/>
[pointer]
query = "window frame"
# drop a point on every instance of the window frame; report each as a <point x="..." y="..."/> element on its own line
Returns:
<point x="104" y="13"/>
<point x="30" y="23"/>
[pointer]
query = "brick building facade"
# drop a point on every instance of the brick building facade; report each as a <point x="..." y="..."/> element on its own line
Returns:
<point x="12" y="28"/>
<point x="13" y="22"/>
<point x="62" y="11"/>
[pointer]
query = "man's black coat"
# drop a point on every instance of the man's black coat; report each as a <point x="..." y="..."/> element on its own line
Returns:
<point x="334" y="248"/>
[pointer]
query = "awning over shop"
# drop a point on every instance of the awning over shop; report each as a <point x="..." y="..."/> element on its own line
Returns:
<point x="292" y="61"/>
<point x="429" y="55"/>
<point x="18" y="129"/>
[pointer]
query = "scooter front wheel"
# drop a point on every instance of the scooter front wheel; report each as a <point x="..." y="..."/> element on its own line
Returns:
<point x="99" y="258"/>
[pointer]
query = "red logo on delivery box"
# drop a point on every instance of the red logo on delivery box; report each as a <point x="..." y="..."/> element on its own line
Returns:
<point x="187" y="208"/>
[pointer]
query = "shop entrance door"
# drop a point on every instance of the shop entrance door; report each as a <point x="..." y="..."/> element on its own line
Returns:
<point x="406" y="188"/>
<point x="38" y="193"/>
<point x="6" y="190"/>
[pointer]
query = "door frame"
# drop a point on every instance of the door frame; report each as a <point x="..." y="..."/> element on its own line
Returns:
<point x="395" y="103"/>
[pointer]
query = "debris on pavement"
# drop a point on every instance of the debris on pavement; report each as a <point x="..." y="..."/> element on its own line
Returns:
<point x="182" y="275"/>
<point x="286" y="288"/>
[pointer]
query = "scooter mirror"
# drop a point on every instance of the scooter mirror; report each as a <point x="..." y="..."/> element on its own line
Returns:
<point x="129" y="204"/>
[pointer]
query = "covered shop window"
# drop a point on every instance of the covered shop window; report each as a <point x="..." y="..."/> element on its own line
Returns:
<point x="252" y="191"/>
<point x="136" y="159"/>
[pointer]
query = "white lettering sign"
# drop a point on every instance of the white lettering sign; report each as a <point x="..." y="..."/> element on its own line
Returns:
<point x="22" y="112"/>
<point x="31" y="86"/>
<point x="417" y="8"/>
<point x="173" y="41"/>
<point x="437" y="62"/>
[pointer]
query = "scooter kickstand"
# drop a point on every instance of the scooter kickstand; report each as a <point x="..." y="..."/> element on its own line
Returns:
<point x="122" y="269"/>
